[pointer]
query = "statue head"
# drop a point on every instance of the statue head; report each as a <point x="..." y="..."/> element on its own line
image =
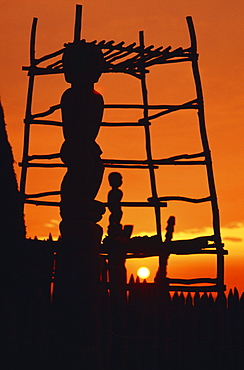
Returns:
<point x="115" y="179"/>
<point x="82" y="62"/>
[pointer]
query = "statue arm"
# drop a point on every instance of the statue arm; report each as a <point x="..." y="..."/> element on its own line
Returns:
<point x="98" y="115"/>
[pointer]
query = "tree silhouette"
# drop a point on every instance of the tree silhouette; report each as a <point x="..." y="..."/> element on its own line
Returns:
<point x="12" y="228"/>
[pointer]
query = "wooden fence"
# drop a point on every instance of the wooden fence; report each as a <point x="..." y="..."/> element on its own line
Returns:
<point x="145" y="328"/>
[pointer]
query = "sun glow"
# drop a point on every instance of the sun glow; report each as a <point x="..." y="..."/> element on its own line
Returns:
<point x="143" y="272"/>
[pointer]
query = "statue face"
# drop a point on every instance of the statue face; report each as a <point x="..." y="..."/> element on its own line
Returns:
<point x="82" y="62"/>
<point x="115" y="179"/>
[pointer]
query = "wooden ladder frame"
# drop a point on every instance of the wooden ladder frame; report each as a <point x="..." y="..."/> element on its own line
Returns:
<point x="139" y="60"/>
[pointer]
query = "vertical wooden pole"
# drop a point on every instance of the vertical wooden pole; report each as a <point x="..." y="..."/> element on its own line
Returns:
<point x="148" y="139"/>
<point x="205" y="144"/>
<point x="78" y="18"/>
<point x="28" y="116"/>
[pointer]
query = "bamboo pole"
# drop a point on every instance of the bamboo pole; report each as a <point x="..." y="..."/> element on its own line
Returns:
<point x="169" y="108"/>
<point x="171" y="160"/>
<point x="122" y="124"/>
<point x="113" y="163"/>
<point x="173" y="109"/>
<point x="39" y="195"/>
<point x="46" y="122"/>
<point x="203" y="132"/>
<point x="62" y="165"/>
<point x="46" y="113"/>
<point x="28" y="110"/>
<point x="130" y="255"/>
<point x="123" y="204"/>
<point x="147" y="137"/>
<point x="189" y="105"/>
<point x="44" y="156"/>
<point x="78" y="18"/>
<point x="186" y="199"/>
<point x="39" y="71"/>
<point x="43" y="165"/>
<point x="181" y="288"/>
<point x="176" y="288"/>
<point x="49" y="56"/>
<point x="192" y="281"/>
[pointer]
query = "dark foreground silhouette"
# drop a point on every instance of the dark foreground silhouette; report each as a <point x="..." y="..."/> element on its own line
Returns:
<point x="86" y="326"/>
<point x="82" y="110"/>
<point x="145" y="330"/>
<point x="77" y="292"/>
<point x="11" y="221"/>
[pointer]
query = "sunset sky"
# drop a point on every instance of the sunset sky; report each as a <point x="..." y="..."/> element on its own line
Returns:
<point x="219" y="29"/>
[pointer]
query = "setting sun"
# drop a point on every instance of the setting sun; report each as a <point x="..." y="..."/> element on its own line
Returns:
<point x="143" y="272"/>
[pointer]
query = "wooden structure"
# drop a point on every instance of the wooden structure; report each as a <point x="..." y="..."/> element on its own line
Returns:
<point x="136" y="60"/>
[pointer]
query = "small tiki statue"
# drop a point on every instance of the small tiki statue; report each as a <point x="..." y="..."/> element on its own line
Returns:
<point x="114" y="198"/>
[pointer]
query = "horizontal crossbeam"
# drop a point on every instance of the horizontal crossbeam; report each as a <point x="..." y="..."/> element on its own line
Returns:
<point x="192" y="281"/>
<point x="167" y="108"/>
<point x="175" y="160"/>
<point x="51" y="110"/>
<point x="193" y="251"/>
<point x="116" y="164"/>
<point x="122" y="204"/>
<point x="46" y="122"/>
<point x="108" y="164"/>
<point x="175" y="288"/>
<point x="152" y="106"/>
<point x="208" y="288"/>
<point x="184" y="199"/>
<point x="40" y="195"/>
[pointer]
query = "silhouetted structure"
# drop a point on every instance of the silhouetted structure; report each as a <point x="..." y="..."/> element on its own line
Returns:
<point x="137" y="325"/>
<point x="136" y="60"/>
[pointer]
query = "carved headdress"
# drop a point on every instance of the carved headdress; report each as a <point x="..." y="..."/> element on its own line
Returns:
<point x="82" y="60"/>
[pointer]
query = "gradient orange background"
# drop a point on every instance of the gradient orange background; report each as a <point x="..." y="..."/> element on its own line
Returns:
<point x="219" y="28"/>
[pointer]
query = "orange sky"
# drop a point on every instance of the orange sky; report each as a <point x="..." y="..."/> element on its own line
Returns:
<point x="219" y="28"/>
